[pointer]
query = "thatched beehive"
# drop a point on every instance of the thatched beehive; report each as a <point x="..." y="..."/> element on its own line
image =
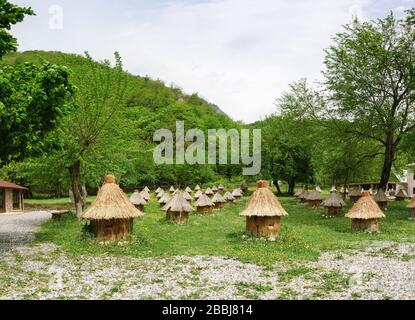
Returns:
<point x="218" y="201"/>
<point x="333" y="189"/>
<point x="177" y="209"/>
<point x="318" y="188"/>
<point x="145" y="194"/>
<point x="146" y="189"/>
<point x="314" y="199"/>
<point x="333" y="204"/>
<point x="197" y="188"/>
<point x="355" y="194"/>
<point x="365" y="214"/>
<point x="303" y="196"/>
<point x="204" y="204"/>
<point x="263" y="212"/>
<point x="215" y="189"/>
<point x="381" y="199"/>
<point x="228" y="197"/>
<point x="138" y="200"/>
<point x="401" y="195"/>
<point x="188" y="190"/>
<point x="158" y="190"/>
<point x="411" y="206"/>
<point x="237" y="193"/>
<point x="209" y="192"/>
<point x="160" y="194"/>
<point x="111" y="214"/>
<point x="172" y="189"/>
<point x="164" y="199"/>
<point x="197" y="195"/>
<point x="187" y="196"/>
<point x="221" y="187"/>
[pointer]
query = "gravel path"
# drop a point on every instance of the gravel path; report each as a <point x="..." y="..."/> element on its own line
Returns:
<point x="16" y="230"/>
<point x="385" y="270"/>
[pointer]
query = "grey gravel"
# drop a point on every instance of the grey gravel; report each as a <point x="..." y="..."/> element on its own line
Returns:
<point x="18" y="229"/>
<point x="384" y="270"/>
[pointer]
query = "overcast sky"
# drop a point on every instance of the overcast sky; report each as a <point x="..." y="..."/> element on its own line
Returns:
<point x="238" y="54"/>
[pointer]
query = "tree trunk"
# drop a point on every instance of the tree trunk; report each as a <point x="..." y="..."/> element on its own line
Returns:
<point x="75" y="173"/>
<point x="277" y="186"/>
<point x="387" y="163"/>
<point x="291" y="187"/>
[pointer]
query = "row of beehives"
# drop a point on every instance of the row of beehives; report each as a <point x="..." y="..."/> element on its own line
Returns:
<point x="366" y="211"/>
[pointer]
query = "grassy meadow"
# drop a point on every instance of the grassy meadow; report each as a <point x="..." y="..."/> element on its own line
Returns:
<point x="304" y="234"/>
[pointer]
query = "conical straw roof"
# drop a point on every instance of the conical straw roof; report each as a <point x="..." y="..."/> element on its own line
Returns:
<point x="158" y="190"/>
<point x="263" y="203"/>
<point x="221" y="187"/>
<point x="228" y="196"/>
<point x="137" y="199"/>
<point x="187" y="196"/>
<point x="411" y="205"/>
<point x="164" y="199"/>
<point x="209" y="191"/>
<point x="145" y="195"/>
<point x="111" y="203"/>
<point x="318" y="189"/>
<point x="178" y="204"/>
<point x="146" y="189"/>
<point x="237" y="193"/>
<point x="204" y="201"/>
<point x="380" y="196"/>
<point x="197" y="188"/>
<point x="303" y="194"/>
<point x="188" y="189"/>
<point x="365" y="208"/>
<point x="333" y="201"/>
<point x="215" y="189"/>
<point x="333" y="189"/>
<point x="314" y="196"/>
<point x="160" y="194"/>
<point x="172" y="189"/>
<point x="198" y="194"/>
<point x="217" y="198"/>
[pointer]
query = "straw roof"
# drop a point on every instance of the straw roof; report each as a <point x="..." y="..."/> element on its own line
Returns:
<point x="365" y="208"/>
<point x="158" y="190"/>
<point x="228" y="196"/>
<point x="187" y="196"/>
<point x="298" y="192"/>
<point x="111" y="203"/>
<point x="137" y="199"/>
<point x="209" y="191"/>
<point x="145" y="195"/>
<point x="237" y="193"/>
<point x="215" y="189"/>
<point x="411" y="205"/>
<point x="198" y="194"/>
<point x="303" y="194"/>
<point x="188" y="189"/>
<point x="160" y="194"/>
<point x="204" y="201"/>
<point x="318" y="189"/>
<point x="333" y="201"/>
<point x="221" y="187"/>
<point x="401" y="194"/>
<point x="314" y="196"/>
<point x="217" y="198"/>
<point x="146" y="189"/>
<point x="178" y="204"/>
<point x="164" y="199"/>
<point x="355" y="193"/>
<point x="380" y="196"/>
<point x="197" y="188"/>
<point x="263" y="203"/>
<point x="172" y="189"/>
<point x="333" y="189"/>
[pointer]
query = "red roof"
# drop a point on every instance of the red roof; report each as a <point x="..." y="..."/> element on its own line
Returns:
<point x="9" y="185"/>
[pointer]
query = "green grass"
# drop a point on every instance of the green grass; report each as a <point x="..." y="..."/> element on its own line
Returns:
<point x="304" y="234"/>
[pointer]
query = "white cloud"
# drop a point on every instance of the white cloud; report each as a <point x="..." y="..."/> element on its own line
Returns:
<point x="237" y="54"/>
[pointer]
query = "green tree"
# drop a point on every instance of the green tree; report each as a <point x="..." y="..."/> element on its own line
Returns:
<point x="370" y="77"/>
<point x="10" y="14"/>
